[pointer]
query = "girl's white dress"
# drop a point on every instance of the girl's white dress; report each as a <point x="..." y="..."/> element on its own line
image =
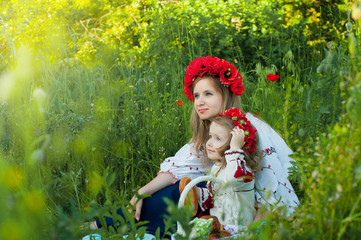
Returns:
<point x="233" y="200"/>
<point x="272" y="185"/>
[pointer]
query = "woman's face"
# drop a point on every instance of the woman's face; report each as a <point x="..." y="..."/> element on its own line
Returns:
<point x="208" y="100"/>
<point x="218" y="137"/>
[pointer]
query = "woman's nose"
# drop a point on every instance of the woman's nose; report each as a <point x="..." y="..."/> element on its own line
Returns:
<point x="200" y="101"/>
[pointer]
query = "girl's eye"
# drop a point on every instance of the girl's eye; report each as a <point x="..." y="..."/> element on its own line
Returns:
<point x="196" y="95"/>
<point x="218" y="139"/>
<point x="209" y="94"/>
<point x="210" y="136"/>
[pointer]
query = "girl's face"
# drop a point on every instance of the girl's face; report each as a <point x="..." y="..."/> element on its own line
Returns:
<point x="208" y="100"/>
<point x="218" y="137"/>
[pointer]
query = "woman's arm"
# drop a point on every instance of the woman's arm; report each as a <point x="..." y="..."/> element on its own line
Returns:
<point x="162" y="180"/>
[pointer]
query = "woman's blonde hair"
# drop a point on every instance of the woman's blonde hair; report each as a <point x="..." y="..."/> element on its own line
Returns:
<point x="253" y="160"/>
<point x="200" y="128"/>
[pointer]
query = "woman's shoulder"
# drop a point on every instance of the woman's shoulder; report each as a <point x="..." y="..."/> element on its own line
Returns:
<point x="188" y="149"/>
<point x="254" y="118"/>
<point x="260" y="124"/>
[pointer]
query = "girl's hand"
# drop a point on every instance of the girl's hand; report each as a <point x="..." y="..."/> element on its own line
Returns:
<point x="237" y="141"/>
<point x="138" y="207"/>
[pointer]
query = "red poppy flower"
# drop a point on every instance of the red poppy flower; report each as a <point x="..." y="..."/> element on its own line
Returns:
<point x="188" y="93"/>
<point x="237" y="87"/>
<point x="215" y="65"/>
<point x="233" y="113"/>
<point x="272" y="77"/>
<point x="188" y="81"/>
<point x="228" y="73"/>
<point x="179" y="103"/>
<point x="195" y="66"/>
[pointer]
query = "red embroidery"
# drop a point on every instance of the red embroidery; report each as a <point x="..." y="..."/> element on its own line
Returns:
<point x="242" y="172"/>
<point x="174" y="177"/>
<point x="208" y="204"/>
<point x="233" y="152"/>
<point x="268" y="151"/>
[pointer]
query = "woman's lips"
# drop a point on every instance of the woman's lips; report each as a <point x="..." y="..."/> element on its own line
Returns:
<point x="202" y="110"/>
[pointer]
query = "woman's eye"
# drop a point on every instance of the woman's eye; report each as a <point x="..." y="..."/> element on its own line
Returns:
<point x="209" y="94"/>
<point x="196" y="95"/>
<point x="218" y="139"/>
<point x="210" y="137"/>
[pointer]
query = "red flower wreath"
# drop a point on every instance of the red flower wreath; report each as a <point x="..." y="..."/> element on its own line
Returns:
<point x="228" y="74"/>
<point x="240" y="120"/>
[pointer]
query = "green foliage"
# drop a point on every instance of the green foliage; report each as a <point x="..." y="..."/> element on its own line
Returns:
<point x="88" y="93"/>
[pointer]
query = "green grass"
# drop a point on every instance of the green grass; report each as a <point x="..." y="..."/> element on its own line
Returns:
<point x="111" y="118"/>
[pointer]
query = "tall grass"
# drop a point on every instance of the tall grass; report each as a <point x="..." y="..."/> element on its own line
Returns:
<point x="79" y="137"/>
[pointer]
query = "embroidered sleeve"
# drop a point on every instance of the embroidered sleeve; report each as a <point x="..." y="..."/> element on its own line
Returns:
<point x="238" y="172"/>
<point x="206" y="197"/>
<point x="185" y="163"/>
<point x="236" y="166"/>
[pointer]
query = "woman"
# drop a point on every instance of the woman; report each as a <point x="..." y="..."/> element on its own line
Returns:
<point x="213" y="85"/>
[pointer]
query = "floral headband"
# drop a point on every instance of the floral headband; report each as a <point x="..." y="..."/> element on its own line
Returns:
<point x="240" y="120"/>
<point x="228" y="74"/>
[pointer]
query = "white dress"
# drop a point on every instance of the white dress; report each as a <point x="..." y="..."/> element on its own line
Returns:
<point x="234" y="200"/>
<point x="272" y="185"/>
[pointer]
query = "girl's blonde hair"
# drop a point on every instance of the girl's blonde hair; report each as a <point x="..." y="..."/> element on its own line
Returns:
<point x="200" y="128"/>
<point x="253" y="160"/>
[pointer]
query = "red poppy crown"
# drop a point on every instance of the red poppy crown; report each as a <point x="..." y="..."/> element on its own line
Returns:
<point x="240" y="120"/>
<point x="228" y="74"/>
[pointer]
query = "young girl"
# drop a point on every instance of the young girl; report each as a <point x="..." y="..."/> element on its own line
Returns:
<point x="232" y="147"/>
<point x="213" y="85"/>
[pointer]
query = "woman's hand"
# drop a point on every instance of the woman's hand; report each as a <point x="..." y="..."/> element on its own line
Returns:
<point x="161" y="181"/>
<point x="237" y="141"/>
<point x="137" y="204"/>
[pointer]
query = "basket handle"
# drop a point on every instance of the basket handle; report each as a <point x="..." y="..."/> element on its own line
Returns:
<point x="194" y="182"/>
